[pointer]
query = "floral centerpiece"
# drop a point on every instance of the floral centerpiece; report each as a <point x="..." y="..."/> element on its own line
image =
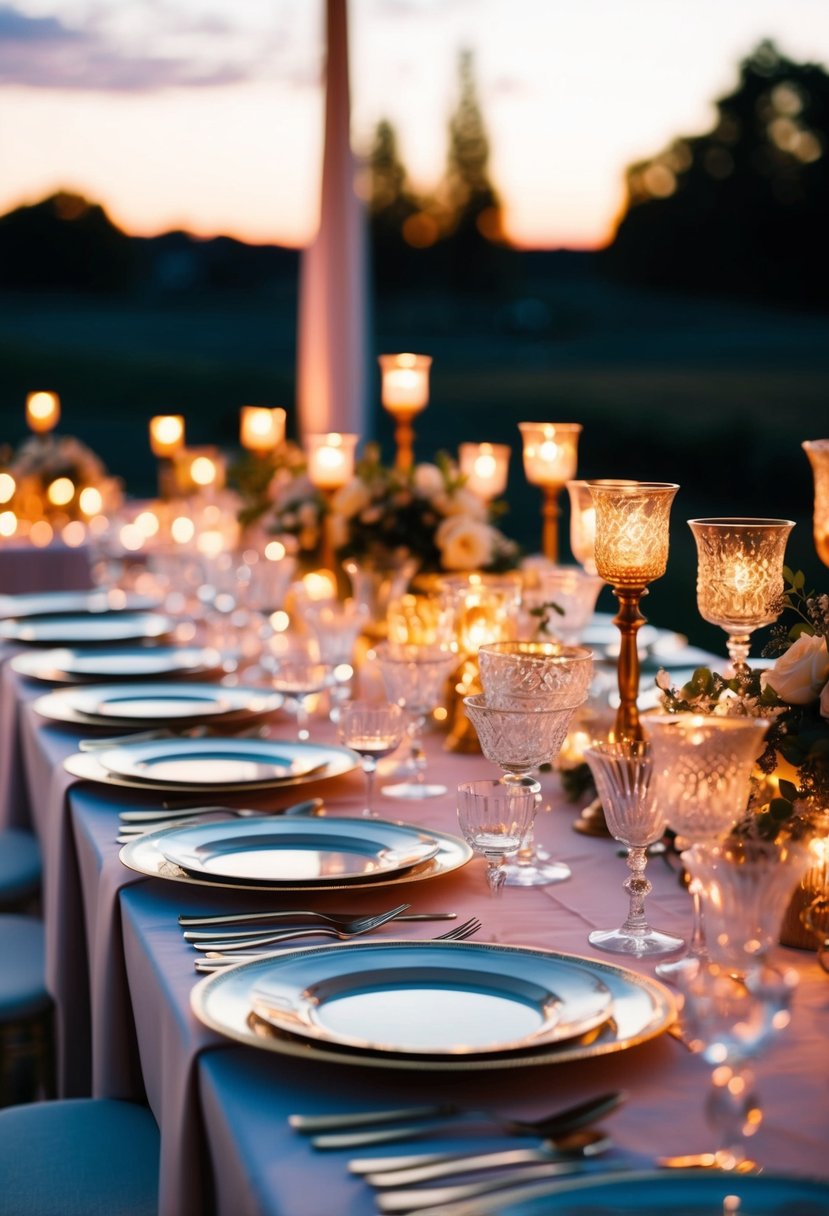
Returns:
<point x="793" y="786"/>
<point x="381" y="517"/>
<point x="51" y="473"/>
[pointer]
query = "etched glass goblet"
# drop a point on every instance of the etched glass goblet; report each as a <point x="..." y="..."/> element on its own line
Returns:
<point x="622" y="772"/>
<point x="534" y="674"/>
<point x="518" y="741"/>
<point x="373" y="729"/>
<point x="336" y="625"/>
<point x="415" y="679"/>
<point x="494" y="817"/>
<point x="563" y="603"/>
<point x="701" y="770"/>
<point x="740" y="577"/>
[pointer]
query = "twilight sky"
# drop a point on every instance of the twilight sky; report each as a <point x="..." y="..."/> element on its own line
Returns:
<point x="206" y="114"/>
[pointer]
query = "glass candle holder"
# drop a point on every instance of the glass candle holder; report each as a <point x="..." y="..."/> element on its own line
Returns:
<point x="631" y="551"/>
<point x="818" y="452"/>
<point x="740" y="577"/>
<point x="583" y="520"/>
<point x="42" y="412"/>
<point x="550" y="457"/>
<point x="261" y="429"/>
<point x="485" y="467"/>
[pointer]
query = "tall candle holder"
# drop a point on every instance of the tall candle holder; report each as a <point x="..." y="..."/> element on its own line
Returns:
<point x="330" y="467"/>
<point x="632" y="523"/>
<point x="583" y="519"/>
<point x="485" y="467"/>
<point x="404" y="393"/>
<point x="740" y="577"/>
<point x="166" y="441"/>
<point x="550" y="462"/>
<point x="818" y="452"/>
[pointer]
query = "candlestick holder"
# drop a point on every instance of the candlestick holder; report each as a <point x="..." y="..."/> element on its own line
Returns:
<point x="485" y="467"/>
<point x="740" y="577"/>
<point x="631" y="551"/>
<point x="404" y="393"/>
<point x="330" y="467"/>
<point x="818" y="452"/>
<point x="550" y="462"/>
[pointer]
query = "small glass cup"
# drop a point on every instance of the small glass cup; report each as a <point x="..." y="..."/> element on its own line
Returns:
<point x="298" y="679"/>
<point x="415" y="679"/>
<point x="373" y="729"/>
<point x="494" y="818"/>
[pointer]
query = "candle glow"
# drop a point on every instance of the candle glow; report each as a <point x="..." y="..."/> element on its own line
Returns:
<point x="166" y="435"/>
<point x="261" y="429"/>
<point x="331" y="459"/>
<point x="485" y="467"/>
<point x="42" y="412"/>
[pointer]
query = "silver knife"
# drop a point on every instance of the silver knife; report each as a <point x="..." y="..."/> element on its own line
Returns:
<point x="588" y="1143"/>
<point x="415" y="1200"/>
<point x="308" y="1123"/>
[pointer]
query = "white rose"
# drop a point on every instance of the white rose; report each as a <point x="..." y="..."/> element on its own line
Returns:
<point x="465" y="544"/>
<point x="428" y="480"/>
<point x="800" y="674"/>
<point x="351" y="498"/>
<point x="461" y="502"/>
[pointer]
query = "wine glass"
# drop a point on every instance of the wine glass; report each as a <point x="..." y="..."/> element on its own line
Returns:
<point x="415" y="678"/>
<point x="299" y="678"/>
<point x="494" y="817"/>
<point x="518" y="741"/>
<point x="622" y="772"/>
<point x="373" y="729"/>
<point x="534" y="674"/>
<point x="336" y="625"/>
<point x="701" y="770"/>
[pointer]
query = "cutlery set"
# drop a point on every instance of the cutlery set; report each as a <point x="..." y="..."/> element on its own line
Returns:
<point x="569" y="1137"/>
<point x="140" y="822"/>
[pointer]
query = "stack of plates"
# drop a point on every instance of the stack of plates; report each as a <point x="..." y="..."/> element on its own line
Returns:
<point x="446" y="1005"/>
<point x="295" y="854"/>
<point x="211" y="766"/>
<point x="159" y="704"/>
<point x="51" y="603"/>
<point x="83" y="666"/>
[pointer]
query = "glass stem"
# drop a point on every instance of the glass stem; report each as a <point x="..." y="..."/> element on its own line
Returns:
<point x="495" y="873"/>
<point x="733" y="1111"/>
<point x="369" y="768"/>
<point x="302" y="732"/>
<point x="638" y="888"/>
<point x="696" y="943"/>
<point x="418" y="756"/>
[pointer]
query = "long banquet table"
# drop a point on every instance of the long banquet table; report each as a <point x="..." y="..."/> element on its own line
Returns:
<point x="121" y="976"/>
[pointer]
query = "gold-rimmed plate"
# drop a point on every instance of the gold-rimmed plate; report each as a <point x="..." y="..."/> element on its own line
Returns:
<point x="312" y="762"/>
<point x="155" y="704"/>
<point x="82" y="665"/>
<point x="641" y="1009"/>
<point x="146" y="855"/>
<point x="85" y="628"/>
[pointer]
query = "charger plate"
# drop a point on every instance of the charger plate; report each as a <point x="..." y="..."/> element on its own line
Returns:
<point x="156" y="704"/>
<point x="679" y="1192"/>
<point x="145" y="854"/>
<point x="431" y="998"/>
<point x="641" y="1007"/>
<point x="47" y="603"/>
<point x="286" y="851"/>
<point x="84" y="666"/>
<point x="86" y="628"/>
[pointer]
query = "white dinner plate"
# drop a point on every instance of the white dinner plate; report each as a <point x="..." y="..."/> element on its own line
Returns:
<point x="85" y="628"/>
<point x="79" y="666"/>
<point x="641" y="1009"/>
<point x="683" y="1193"/>
<point x="154" y="704"/>
<point x="212" y="762"/>
<point x="318" y="762"/>
<point x="431" y="998"/>
<point x="145" y="855"/>
<point x="48" y="603"/>
<point x="287" y="851"/>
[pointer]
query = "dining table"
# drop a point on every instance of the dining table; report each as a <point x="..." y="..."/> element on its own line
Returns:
<point x="122" y="978"/>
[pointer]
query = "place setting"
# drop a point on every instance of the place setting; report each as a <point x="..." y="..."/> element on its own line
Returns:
<point x="163" y="704"/>
<point x="85" y="628"/>
<point x="90" y="665"/>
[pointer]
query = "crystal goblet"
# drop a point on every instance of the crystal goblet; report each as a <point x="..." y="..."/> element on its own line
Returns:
<point x="563" y="603"/>
<point x="298" y="679"/>
<point x="622" y="772"/>
<point x="518" y="741"/>
<point x="701" y="769"/>
<point x="534" y="674"/>
<point x="415" y="679"/>
<point x="373" y="729"/>
<point x="336" y="625"/>
<point x="494" y="817"/>
<point x="740" y="577"/>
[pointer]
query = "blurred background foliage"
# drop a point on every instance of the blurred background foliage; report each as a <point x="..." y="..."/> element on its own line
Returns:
<point x="694" y="348"/>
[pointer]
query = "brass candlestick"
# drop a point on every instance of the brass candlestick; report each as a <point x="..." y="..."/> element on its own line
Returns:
<point x="549" y="452"/>
<point x="818" y="452"/>
<point x="632" y="524"/>
<point x="404" y="393"/>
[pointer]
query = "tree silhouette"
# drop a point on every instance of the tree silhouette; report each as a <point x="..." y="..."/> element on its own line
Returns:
<point x="743" y="208"/>
<point x="393" y="209"/>
<point x="64" y="242"/>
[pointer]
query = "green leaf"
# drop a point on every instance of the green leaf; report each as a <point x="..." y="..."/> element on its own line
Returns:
<point x="788" y="575"/>
<point x="799" y="580"/>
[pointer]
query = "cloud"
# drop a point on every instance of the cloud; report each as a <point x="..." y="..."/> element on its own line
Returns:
<point x="47" y="53"/>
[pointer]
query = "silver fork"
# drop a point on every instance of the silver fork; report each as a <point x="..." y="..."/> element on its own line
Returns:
<point x="363" y="924"/>
<point x="216" y="961"/>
